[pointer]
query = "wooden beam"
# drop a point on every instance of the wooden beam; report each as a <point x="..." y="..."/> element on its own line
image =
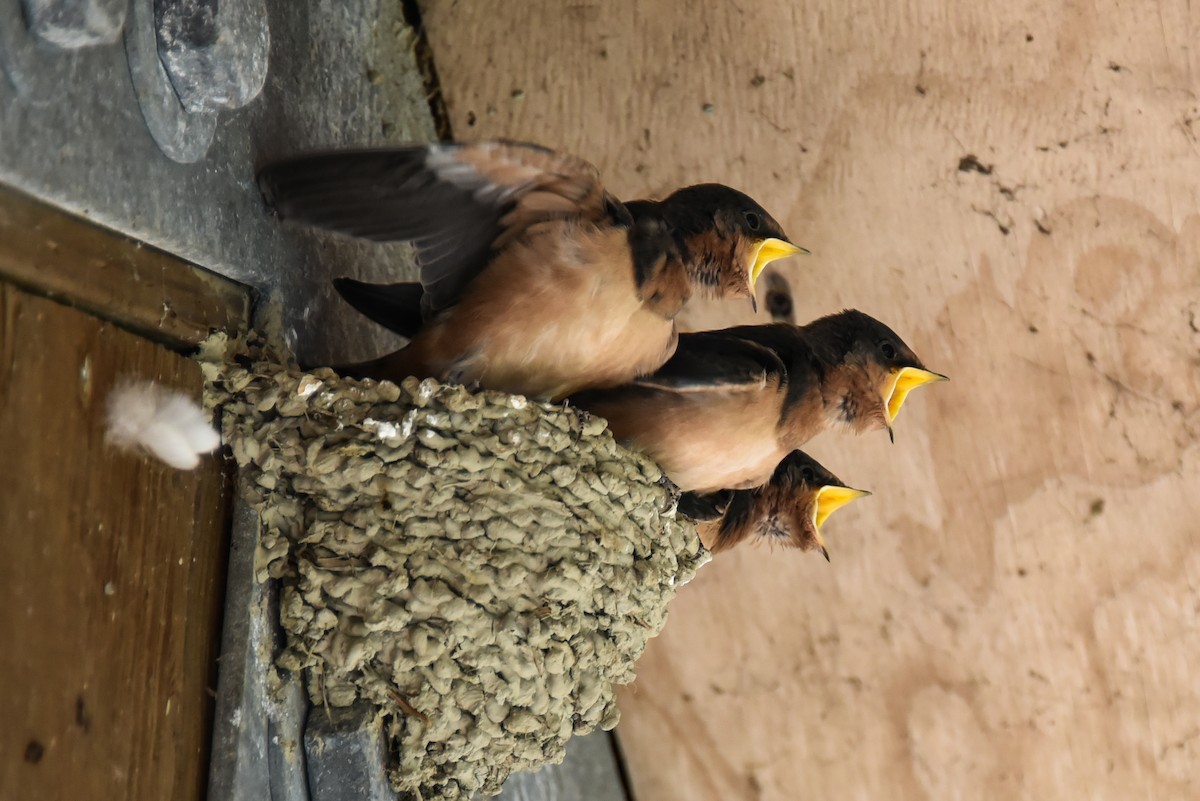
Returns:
<point x="49" y="252"/>
<point x="112" y="578"/>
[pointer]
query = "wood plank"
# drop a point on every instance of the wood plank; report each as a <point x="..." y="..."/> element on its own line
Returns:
<point x="111" y="585"/>
<point x="1015" y="188"/>
<point x="53" y="253"/>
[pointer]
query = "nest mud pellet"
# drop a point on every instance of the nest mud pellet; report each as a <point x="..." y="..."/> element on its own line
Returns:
<point x="482" y="567"/>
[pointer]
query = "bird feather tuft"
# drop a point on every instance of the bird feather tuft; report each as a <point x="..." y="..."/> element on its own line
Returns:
<point x="145" y="416"/>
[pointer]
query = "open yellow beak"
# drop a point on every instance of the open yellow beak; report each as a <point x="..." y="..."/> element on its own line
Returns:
<point x="903" y="381"/>
<point x="829" y="500"/>
<point x="767" y="251"/>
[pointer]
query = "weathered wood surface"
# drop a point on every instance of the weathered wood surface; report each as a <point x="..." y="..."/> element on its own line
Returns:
<point x="54" y="253"/>
<point x="110" y="586"/>
<point x="1014" y="187"/>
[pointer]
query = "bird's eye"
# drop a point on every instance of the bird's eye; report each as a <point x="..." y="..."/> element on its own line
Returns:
<point x="887" y="349"/>
<point x="808" y="475"/>
<point x="752" y="220"/>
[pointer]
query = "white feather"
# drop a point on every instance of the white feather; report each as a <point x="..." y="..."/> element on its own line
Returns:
<point x="148" y="417"/>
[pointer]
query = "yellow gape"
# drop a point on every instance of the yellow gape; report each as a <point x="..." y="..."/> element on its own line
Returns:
<point x="903" y="381"/>
<point x="829" y="500"/>
<point x="767" y="251"/>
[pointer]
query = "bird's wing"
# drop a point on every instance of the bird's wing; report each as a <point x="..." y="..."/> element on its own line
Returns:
<point x="702" y="506"/>
<point x="736" y="521"/>
<point x="458" y="203"/>
<point x="397" y="307"/>
<point x="715" y="360"/>
<point x="783" y="339"/>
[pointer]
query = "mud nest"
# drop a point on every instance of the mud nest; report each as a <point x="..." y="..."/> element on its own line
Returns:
<point x="481" y="567"/>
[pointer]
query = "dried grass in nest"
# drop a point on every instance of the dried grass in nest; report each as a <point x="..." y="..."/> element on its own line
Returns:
<point x="482" y="567"/>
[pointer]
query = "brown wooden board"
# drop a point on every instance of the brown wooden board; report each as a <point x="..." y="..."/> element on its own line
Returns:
<point x="111" y="581"/>
<point x="51" y="252"/>
<point x="1014" y="187"/>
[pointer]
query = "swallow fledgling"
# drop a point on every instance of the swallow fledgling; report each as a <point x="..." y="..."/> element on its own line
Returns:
<point x="397" y="307"/>
<point x="533" y="278"/>
<point x="727" y="408"/>
<point x="789" y="509"/>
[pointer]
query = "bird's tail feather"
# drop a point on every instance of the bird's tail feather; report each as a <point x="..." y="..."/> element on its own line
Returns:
<point x="394" y="367"/>
<point x="397" y="307"/>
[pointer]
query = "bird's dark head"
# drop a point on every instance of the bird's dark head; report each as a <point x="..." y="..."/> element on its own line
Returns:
<point x="727" y="238"/>
<point x="871" y="369"/>
<point x="790" y="508"/>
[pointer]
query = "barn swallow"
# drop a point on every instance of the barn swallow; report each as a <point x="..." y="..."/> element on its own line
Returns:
<point x="788" y="509"/>
<point x="397" y="307"/>
<point x="533" y="278"/>
<point x="729" y="405"/>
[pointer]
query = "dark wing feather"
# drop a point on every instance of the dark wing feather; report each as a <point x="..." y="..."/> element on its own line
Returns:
<point x="397" y="307"/>
<point x="704" y="506"/>
<point x="792" y="345"/>
<point x="737" y="523"/>
<point x="785" y="340"/>
<point x="457" y="203"/>
<point x="712" y="360"/>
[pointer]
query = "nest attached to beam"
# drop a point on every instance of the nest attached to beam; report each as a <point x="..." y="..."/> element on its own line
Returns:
<point x="482" y="567"/>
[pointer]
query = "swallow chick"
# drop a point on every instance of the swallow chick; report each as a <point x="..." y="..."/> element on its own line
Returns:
<point x="533" y="278"/>
<point x="730" y="405"/>
<point x="789" y="509"/>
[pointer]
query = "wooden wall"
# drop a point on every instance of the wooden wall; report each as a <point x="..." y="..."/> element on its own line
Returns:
<point x="113" y="566"/>
<point x="1014" y="188"/>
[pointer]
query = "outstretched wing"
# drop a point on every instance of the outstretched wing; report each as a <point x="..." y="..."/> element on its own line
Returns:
<point x="457" y="203"/>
